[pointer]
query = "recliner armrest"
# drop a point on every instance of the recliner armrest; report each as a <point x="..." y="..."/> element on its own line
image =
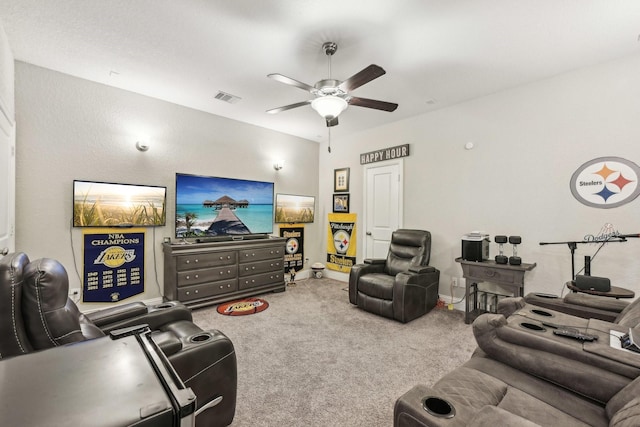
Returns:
<point x="375" y="261"/>
<point x="118" y="313"/>
<point x="420" y="269"/>
<point x="136" y="313"/>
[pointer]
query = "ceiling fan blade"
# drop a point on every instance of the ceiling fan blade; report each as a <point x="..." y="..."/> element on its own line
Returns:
<point x="372" y="103"/>
<point x="364" y="76"/>
<point x="288" y="107"/>
<point x="332" y="122"/>
<point x="292" y="82"/>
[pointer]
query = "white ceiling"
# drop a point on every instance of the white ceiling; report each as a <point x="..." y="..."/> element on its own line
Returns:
<point x="185" y="51"/>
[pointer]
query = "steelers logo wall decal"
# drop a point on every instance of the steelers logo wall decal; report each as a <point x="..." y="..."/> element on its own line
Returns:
<point x="292" y="245"/>
<point x="606" y="182"/>
<point x="341" y="240"/>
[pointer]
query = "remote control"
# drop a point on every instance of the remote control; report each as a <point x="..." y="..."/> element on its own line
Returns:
<point x="575" y="334"/>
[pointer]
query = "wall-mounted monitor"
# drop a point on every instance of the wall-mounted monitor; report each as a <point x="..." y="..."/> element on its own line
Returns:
<point x="106" y="204"/>
<point x="291" y="208"/>
<point x="208" y="206"/>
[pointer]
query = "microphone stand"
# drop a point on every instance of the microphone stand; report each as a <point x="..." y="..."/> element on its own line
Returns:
<point x="573" y="245"/>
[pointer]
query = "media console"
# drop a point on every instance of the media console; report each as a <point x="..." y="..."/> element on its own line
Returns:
<point x="201" y="274"/>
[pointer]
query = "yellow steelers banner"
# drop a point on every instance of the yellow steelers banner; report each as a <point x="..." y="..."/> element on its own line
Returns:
<point x="341" y="242"/>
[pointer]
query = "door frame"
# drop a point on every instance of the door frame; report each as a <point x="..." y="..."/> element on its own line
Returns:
<point x="365" y="219"/>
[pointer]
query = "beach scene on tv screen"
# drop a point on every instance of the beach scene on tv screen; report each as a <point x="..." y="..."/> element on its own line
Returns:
<point x="211" y="206"/>
<point x="100" y="204"/>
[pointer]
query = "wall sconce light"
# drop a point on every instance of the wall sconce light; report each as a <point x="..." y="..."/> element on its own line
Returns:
<point x="279" y="164"/>
<point x="142" y="146"/>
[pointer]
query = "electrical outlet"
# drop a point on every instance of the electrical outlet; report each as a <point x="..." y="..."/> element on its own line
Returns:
<point x="454" y="282"/>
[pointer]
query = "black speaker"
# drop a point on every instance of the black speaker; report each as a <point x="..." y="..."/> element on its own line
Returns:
<point x="593" y="283"/>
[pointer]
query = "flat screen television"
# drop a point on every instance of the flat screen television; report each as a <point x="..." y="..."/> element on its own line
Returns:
<point x="208" y="206"/>
<point x="294" y="209"/>
<point x="106" y="204"/>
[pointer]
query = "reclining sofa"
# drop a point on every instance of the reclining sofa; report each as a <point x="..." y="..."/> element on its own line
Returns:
<point x="524" y="374"/>
<point x="36" y="314"/>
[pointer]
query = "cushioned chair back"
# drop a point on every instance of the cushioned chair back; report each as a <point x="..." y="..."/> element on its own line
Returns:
<point x="630" y="316"/>
<point x="50" y="317"/>
<point x="408" y="248"/>
<point x="13" y="336"/>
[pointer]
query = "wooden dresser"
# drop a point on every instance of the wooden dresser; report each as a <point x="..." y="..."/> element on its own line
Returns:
<point x="202" y="274"/>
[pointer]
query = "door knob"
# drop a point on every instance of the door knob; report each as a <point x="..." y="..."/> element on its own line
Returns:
<point x="368" y="233"/>
<point x="5" y="251"/>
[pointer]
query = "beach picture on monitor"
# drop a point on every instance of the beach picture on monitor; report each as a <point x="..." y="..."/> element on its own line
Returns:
<point x="294" y="209"/>
<point x="209" y="206"/>
<point x="105" y="204"/>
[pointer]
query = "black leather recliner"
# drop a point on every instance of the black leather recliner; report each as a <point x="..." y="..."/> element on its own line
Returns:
<point x="403" y="286"/>
<point x="36" y="313"/>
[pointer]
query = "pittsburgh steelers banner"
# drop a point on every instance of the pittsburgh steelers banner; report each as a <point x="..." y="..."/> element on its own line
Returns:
<point x="113" y="265"/>
<point x="341" y="242"/>
<point x="294" y="247"/>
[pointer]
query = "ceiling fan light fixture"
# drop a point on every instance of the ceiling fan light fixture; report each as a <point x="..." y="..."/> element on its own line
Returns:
<point x="329" y="106"/>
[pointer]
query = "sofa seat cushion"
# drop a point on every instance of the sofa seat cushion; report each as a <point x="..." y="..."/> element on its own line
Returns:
<point x="377" y="285"/>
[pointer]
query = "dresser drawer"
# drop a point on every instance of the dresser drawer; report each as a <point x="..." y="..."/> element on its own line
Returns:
<point x="188" y="293"/>
<point x="259" y="254"/>
<point x="261" y="267"/>
<point x="260" y="280"/>
<point x="189" y="262"/>
<point x="192" y="277"/>
<point x="493" y="274"/>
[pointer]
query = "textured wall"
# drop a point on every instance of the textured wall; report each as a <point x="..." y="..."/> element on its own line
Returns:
<point x="69" y="128"/>
<point x="529" y="141"/>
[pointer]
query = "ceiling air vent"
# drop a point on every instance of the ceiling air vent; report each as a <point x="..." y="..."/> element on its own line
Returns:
<point x="227" y="97"/>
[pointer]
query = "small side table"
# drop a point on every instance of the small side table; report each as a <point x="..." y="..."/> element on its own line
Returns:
<point x="509" y="276"/>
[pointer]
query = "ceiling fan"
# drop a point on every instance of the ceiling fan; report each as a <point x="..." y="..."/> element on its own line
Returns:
<point x="333" y="96"/>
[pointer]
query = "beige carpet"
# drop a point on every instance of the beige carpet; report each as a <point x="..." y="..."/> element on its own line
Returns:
<point x="313" y="359"/>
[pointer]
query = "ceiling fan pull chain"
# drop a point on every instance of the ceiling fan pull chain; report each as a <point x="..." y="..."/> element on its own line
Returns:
<point x="329" y="147"/>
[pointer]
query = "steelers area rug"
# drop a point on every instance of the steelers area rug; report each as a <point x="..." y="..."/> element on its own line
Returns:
<point x="243" y="307"/>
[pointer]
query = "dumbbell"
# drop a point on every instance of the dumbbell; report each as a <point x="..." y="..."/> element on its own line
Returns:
<point x="501" y="258"/>
<point x="515" y="259"/>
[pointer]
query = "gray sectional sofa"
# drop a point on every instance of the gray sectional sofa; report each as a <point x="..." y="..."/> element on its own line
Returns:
<point x="525" y="375"/>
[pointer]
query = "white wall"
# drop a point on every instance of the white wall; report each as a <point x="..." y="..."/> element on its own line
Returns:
<point x="529" y="141"/>
<point x="6" y="73"/>
<point x="69" y="128"/>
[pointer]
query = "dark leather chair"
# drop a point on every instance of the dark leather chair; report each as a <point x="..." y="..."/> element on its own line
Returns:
<point x="36" y="314"/>
<point x="403" y="286"/>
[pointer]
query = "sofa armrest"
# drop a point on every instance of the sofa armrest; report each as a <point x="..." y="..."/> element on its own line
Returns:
<point x="496" y="416"/>
<point x="375" y="261"/>
<point x="580" y="305"/>
<point x="117" y="313"/>
<point x="420" y="269"/>
<point x="137" y="313"/>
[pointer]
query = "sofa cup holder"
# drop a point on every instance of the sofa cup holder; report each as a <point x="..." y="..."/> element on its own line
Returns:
<point x="438" y="407"/>
<point x="199" y="338"/>
<point x="164" y="305"/>
<point x="541" y="312"/>
<point x="532" y="327"/>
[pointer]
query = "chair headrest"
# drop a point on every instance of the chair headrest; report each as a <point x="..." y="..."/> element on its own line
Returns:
<point x="50" y="317"/>
<point x="13" y="336"/>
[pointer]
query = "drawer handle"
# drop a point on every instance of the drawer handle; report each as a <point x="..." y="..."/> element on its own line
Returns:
<point x="220" y="286"/>
<point x="221" y="273"/>
<point x="229" y="285"/>
<point x="196" y="260"/>
<point x="187" y="292"/>
<point x="196" y="291"/>
<point x="221" y="257"/>
<point x="253" y="268"/>
<point x="187" y="262"/>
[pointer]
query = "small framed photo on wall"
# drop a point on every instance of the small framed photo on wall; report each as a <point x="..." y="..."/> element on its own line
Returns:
<point x="341" y="203"/>
<point x="341" y="180"/>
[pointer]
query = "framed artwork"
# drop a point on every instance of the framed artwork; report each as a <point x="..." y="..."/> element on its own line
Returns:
<point x="341" y="180"/>
<point x="341" y="203"/>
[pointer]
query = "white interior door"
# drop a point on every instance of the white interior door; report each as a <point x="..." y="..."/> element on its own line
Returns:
<point x="383" y="206"/>
<point x="7" y="182"/>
